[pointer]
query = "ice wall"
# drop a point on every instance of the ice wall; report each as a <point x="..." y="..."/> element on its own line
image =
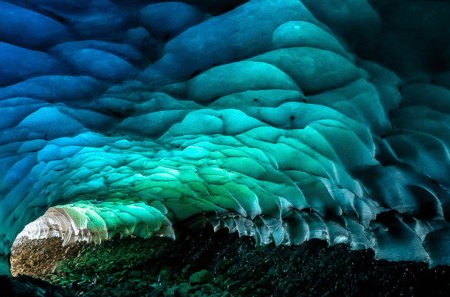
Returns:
<point x="284" y="120"/>
<point x="56" y="222"/>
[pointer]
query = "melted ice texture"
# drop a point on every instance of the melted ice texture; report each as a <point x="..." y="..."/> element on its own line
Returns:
<point x="283" y="120"/>
<point x="56" y="222"/>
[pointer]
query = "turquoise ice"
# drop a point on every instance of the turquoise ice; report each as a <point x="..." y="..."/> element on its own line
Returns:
<point x="283" y="120"/>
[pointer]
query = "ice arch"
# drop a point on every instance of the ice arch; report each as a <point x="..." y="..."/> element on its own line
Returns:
<point x="284" y="120"/>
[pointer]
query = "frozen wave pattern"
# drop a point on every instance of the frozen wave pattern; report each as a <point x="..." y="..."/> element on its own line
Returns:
<point x="275" y="119"/>
<point x="56" y="222"/>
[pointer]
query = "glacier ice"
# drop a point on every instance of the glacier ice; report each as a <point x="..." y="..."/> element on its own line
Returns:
<point x="157" y="19"/>
<point x="56" y="222"/>
<point x="282" y="120"/>
<point x="18" y="64"/>
<point x="29" y="29"/>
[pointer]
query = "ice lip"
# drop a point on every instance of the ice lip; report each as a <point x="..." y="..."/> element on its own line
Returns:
<point x="56" y="222"/>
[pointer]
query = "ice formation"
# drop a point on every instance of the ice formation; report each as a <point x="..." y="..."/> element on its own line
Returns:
<point x="285" y="120"/>
<point x="56" y="222"/>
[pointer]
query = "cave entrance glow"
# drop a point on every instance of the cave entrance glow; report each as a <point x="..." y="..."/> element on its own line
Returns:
<point x="56" y="222"/>
<point x="53" y="237"/>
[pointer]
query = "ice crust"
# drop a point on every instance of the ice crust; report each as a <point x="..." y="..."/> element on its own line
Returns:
<point x="56" y="222"/>
<point x="283" y="120"/>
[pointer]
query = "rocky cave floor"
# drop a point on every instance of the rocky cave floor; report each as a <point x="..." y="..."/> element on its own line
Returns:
<point x="212" y="264"/>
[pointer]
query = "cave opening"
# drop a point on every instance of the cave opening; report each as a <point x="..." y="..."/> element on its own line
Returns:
<point x="51" y="238"/>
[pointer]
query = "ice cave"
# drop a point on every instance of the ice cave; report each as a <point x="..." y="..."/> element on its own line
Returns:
<point x="283" y="120"/>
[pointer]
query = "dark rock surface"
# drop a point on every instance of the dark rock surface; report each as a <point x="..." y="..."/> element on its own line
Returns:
<point x="27" y="286"/>
<point x="163" y="267"/>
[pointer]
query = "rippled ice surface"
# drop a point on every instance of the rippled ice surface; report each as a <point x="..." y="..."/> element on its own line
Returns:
<point x="56" y="222"/>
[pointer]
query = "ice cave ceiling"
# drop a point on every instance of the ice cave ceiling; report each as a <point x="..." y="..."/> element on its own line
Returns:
<point x="285" y="120"/>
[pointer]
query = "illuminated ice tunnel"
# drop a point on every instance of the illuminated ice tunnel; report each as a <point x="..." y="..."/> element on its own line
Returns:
<point x="284" y="120"/>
